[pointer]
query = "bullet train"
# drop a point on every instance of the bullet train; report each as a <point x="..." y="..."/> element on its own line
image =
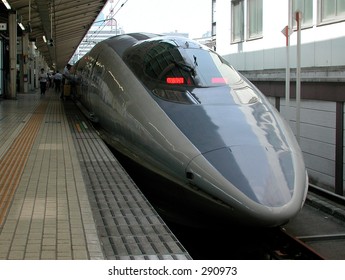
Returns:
<point x="180" y="111"/>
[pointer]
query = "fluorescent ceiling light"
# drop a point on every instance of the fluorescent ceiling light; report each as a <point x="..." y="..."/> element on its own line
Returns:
<point x="21" y="26"/>
<point x="6" y="4"/>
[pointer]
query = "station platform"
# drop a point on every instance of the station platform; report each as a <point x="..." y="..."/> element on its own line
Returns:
<point x="63" y="195"/>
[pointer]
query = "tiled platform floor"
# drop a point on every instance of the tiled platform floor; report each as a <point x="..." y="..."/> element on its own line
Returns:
<point x="54" y="205"/>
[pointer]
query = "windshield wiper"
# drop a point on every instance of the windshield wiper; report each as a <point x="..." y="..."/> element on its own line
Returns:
<point x="195" y="62"/>
<point x="185" y="67"/>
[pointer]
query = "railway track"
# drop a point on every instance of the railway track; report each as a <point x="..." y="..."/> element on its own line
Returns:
<point x="321" y="224"/>
<point x="288" y="247"/>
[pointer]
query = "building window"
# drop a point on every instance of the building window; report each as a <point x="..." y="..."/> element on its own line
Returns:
<point x="237" y="21"/>
<point x="306" y="7"/>
<point x="331" y="10"/>
<point x="254" y="18"/>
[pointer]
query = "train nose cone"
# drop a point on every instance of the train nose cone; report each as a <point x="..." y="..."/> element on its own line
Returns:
<point x="263" y="174"/>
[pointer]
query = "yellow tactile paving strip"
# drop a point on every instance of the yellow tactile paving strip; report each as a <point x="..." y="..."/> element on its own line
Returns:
<point x="47" y="214"/>
<point x="13" y="161"/>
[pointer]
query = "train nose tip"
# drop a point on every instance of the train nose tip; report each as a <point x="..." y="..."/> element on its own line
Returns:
<point x="265" y="175"/>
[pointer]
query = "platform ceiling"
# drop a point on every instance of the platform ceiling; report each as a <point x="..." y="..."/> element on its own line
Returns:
<point x="64" y="21"/>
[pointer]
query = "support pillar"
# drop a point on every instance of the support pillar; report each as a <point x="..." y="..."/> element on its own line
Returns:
<point x="12" y="20"/>
<point x="25" y="65"/>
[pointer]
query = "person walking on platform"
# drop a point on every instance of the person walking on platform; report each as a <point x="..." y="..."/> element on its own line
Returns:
<point x="43" y="81"/>
<point x="57" y="81"/>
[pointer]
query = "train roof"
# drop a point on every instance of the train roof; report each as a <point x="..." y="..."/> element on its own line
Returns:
<point x="121" y="43"/>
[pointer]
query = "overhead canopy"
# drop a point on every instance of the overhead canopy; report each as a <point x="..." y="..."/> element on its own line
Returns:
<point x="66" y="22"/>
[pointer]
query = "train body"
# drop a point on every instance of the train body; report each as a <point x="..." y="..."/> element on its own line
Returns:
<point x="179" y="110"/>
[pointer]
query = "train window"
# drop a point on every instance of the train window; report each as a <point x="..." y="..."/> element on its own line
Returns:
<point x="172" y="61"/>
<point x="162" y="60"/>
<point x="164" y="63"/>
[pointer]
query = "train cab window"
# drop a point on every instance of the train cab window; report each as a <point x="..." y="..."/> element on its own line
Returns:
<point x="179" y="62"/>
<point x="165" y="63"/>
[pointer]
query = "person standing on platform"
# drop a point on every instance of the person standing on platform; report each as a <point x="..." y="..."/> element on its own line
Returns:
<point x="43" y="81"/>
<point x="67" y="78"/>
<point x="57" y="81"/>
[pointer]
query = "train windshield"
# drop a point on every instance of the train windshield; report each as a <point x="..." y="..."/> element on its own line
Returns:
<point x="191" y="67"/>
<point x="168" y="64"/>
<point x="177" y="61"/>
